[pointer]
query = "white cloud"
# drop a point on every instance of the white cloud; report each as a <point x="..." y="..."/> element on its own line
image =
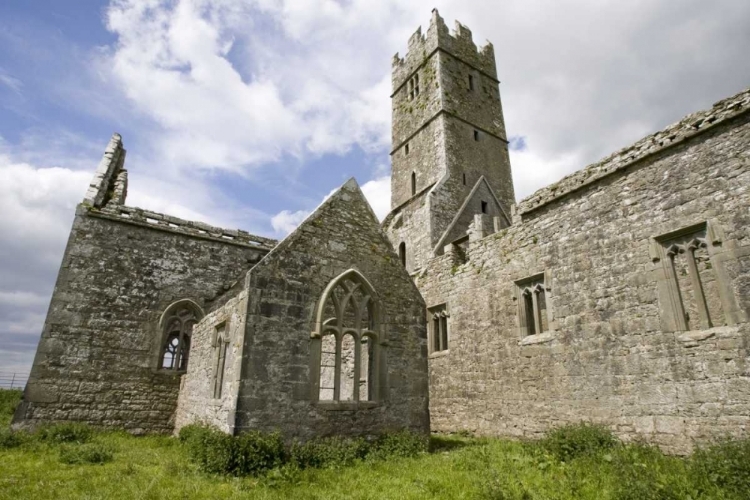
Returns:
<point x="228" y="92"/>
<point x="377" y="192"/>
<point x="287" y="221"/>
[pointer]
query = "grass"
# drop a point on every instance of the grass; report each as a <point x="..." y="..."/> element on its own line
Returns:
<point x="579" y="462"/>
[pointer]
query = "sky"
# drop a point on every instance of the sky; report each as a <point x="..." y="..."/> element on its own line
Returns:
<point x="247" y="113"/>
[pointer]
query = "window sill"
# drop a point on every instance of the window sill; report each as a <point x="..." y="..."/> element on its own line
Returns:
<point x="439" y="354"/>
<point x="692" y="337"/>
<point x="539" y="338"/>
<point x="168" y="372"/>
<point x="347" y="405"/>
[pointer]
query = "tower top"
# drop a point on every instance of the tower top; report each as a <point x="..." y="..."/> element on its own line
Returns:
<point x="458" y="44"/>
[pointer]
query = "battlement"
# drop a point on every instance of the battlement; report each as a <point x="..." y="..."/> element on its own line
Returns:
<point x="686" y="128"/>
<point x="459" y="44"/>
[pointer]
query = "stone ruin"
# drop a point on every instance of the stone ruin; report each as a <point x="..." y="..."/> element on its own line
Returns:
<point x="618" y="295"/>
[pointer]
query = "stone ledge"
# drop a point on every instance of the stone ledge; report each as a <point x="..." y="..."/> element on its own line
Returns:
<point x="440" y="354"/>
<point x="161" y="222"/>
<point x="539" y="338"/>
<point x="347" y="405"/>
<point x="693" y="337"/>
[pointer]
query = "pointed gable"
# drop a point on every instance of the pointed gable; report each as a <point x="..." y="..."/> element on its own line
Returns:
<point x="481" y="200"/>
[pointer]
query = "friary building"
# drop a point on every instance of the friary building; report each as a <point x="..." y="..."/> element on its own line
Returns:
<point x="619" y="295"/>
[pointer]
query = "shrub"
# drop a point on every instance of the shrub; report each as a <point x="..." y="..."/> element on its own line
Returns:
<point x="570" y="441"/>
<point x="212" y="449"/>
<point x="10" y="439"/>
<point x="92" y="453"/>
<point x="9" y="399"/>
<point x="328" y="452"/>
<point x="644" y="473"/>
<point x="400" y="444"/>
<point x="256" y="452"/>
<point x="219" y="453"/>
<point x="725" y="465"/>
<point x="192" y="431"/>
<point x="69" y="432"/>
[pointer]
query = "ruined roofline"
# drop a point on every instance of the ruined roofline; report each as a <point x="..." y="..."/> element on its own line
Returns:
<point x="107" y="192"/>
<point x="163" y="222"/>
<point x="688" y="127"/>
<point x="459" y="44"/>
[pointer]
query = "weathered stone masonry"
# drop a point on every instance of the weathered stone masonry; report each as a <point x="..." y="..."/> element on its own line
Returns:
<point x="275" y="374"/>
<point x="99" y="357"/>
<point x="619" y="295"/>
<point x="612" y="349"/>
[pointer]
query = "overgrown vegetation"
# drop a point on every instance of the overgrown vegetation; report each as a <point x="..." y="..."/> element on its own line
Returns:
<point x="254" y="453"/>
<point x="575" y="462"/>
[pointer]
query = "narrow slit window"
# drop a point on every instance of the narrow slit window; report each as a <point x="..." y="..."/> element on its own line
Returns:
<point x="464" y="179"/>
<point x="476" y="135"/>
<point x="439" y="326"/>
<point x="413" y="183"/>
<point x="471" y="82"/>
<point x="402" y="253"/>
<point x="406" y="149"/>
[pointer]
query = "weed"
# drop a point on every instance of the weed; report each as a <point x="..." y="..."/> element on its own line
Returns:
<point x="69" y="432"/>
<point x="91" y="453"/>
<point x="725" y="465"/>
<point x="571" y="441"/>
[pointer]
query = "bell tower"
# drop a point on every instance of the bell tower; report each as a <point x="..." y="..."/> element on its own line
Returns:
<point x="448" y="137"/>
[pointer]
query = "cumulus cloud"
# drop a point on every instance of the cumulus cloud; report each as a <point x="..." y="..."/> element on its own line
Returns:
<point x="286" y="221"/>
<point x="37" y="206"/>
<point x="377" y="192"/>
<point x="227" y="92"/>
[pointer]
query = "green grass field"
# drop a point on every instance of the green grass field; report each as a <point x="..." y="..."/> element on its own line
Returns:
<point x="455" y="468"/>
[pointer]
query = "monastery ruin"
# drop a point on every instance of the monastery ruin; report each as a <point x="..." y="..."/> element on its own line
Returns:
<point x="618" y="295"/>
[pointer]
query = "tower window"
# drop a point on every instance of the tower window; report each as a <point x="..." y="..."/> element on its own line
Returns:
<point x="413" y="86"/>
<point x="413" y="183"/>
<point x="476" y="135"/>
<point x="402" y="253"/>
<point x="484" y="207"/>
<point x="471" y="82"/>
<point x="464" y="179"/>
<point x="406" y="149"/>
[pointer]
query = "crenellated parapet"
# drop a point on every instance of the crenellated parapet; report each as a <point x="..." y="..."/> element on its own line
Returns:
<point x="459" y="44"/>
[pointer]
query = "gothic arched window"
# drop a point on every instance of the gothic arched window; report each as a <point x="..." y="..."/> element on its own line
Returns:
<point x="533" y="308"/>
<point x="347" y="341"/>
<point x="177" y="327"/>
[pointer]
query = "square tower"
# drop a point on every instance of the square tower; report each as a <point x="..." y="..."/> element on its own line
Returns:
<point x="448" y="134"/>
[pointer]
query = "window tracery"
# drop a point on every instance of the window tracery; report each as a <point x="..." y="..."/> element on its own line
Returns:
<point x="533" y="305"/>
<point x="348" y="341"/>
<point x="177" y="323"/>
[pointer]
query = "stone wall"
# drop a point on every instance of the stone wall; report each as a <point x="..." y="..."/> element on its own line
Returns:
<point x="216" y="361"/>
<point x="279" y="388"/>
<point x="600" y="249"/>
<point x="98" y="359"/>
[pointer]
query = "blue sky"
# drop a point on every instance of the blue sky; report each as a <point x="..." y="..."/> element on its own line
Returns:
<point x="247" y="113"/>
